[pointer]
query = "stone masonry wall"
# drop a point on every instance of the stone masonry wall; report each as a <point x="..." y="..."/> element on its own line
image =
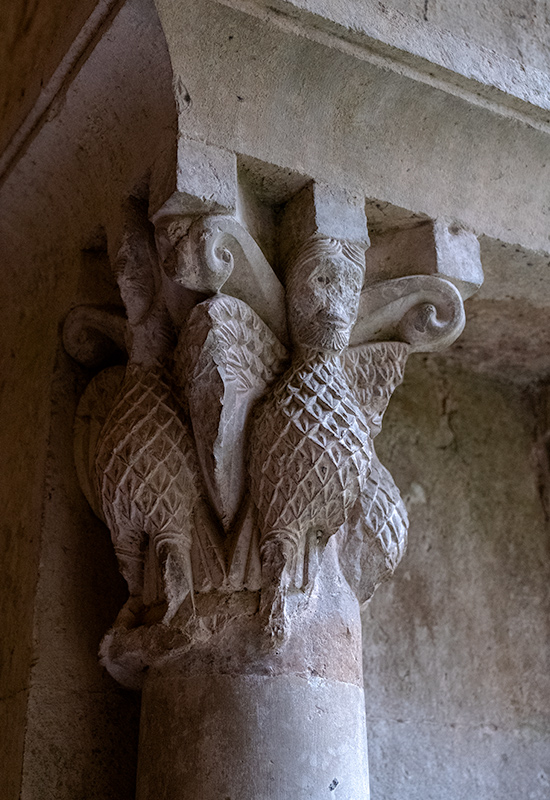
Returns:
<point x="456" y="647"/>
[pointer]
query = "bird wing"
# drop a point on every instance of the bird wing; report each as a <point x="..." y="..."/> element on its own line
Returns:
<point x="374" y="370"/>
<point x="376" y="535"/>
<point x="228" y="356"/>
<point x="92" y="411"/>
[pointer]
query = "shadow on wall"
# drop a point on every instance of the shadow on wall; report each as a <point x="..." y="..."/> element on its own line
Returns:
<point x="82" y="728"/>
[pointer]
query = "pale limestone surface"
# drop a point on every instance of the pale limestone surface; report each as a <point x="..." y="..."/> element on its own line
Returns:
<point x="519" y="30"/>
<point x="392" y="132"/>
<point x="34" y="43"/>
<point x="262" y="737"/>
<point x="354" y="122"/>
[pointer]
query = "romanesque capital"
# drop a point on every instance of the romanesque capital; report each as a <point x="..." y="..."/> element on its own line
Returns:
<point x="232" y="454"/>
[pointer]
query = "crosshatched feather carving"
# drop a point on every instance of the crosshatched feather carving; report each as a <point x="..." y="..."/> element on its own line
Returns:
<point x="227" y="358"/>
<point x="311" y="448"/>
<point x="146" y="472"/>
<point x="228" y="459"/>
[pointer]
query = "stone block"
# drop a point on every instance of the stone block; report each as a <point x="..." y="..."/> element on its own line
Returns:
<point x="202" y="181"/>
<point x="436" y="247"/>
<point x="326" y="211"/>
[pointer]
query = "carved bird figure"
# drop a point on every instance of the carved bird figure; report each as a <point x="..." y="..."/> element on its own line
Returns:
<point x="146" y="473"/>
<point x="285" y="455"/>
<point x="309" y="451"/>
<point x="310" y="446"/>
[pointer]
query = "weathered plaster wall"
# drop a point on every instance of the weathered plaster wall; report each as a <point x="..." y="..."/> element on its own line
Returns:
<point x="55" y="703"/>
<point x="66" y="731"/>
<point x="27" y="346"/>
<point x="456" y="646"/>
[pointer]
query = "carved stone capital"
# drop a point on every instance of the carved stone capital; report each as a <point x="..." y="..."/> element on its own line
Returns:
<point x="233" y="456"/>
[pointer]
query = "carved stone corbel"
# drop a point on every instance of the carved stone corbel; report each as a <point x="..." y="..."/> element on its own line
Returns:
<point x="233" y="461"/>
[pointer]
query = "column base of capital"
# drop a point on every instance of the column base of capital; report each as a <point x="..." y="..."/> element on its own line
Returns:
<point x="251" y="737"/>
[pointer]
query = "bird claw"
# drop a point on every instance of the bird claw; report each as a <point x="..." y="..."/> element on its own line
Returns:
<point x="177" y="574"/>
<point x="275" y="619"/>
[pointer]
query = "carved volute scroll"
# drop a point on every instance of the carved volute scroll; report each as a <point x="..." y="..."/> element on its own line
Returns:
<point x="232" y="458"/>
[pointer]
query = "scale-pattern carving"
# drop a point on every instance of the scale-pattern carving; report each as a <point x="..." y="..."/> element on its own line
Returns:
<point x="310" y="451"/>
<point x="239" y="343"/>
<point x="147" y="475"/>
<point x="374" y="370"/>
<point x="228" y="357"/>
<point x="375" y="534"/>
<point x="384" y="512"/>
<point x="223" y="478"/>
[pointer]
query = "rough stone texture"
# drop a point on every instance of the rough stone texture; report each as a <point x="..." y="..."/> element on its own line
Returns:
<point x="54" y="709"/>
<point x="415" y="46"/>
<point x="456" y="647"/>
<point x="281" y="479"/>
<point x="506" y="339"/>
<point x="309" y="477"/>
<point x="206" y="179"/>
<point x="370" y="119"/>
<point x="519" y="29"/>
<point x="35" y="39"/>
<point x="435" y="248"/>
<point x="27" y="342"/>
<point x="343" y="120"/>
<point x="507" y="335"/>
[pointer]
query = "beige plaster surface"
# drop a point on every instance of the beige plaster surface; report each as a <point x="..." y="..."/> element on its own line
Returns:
<point x="519" y="29"/>
<point x="81" y="738"/>
<point x="456" y="646"/>
<point x="55" y="710"/>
